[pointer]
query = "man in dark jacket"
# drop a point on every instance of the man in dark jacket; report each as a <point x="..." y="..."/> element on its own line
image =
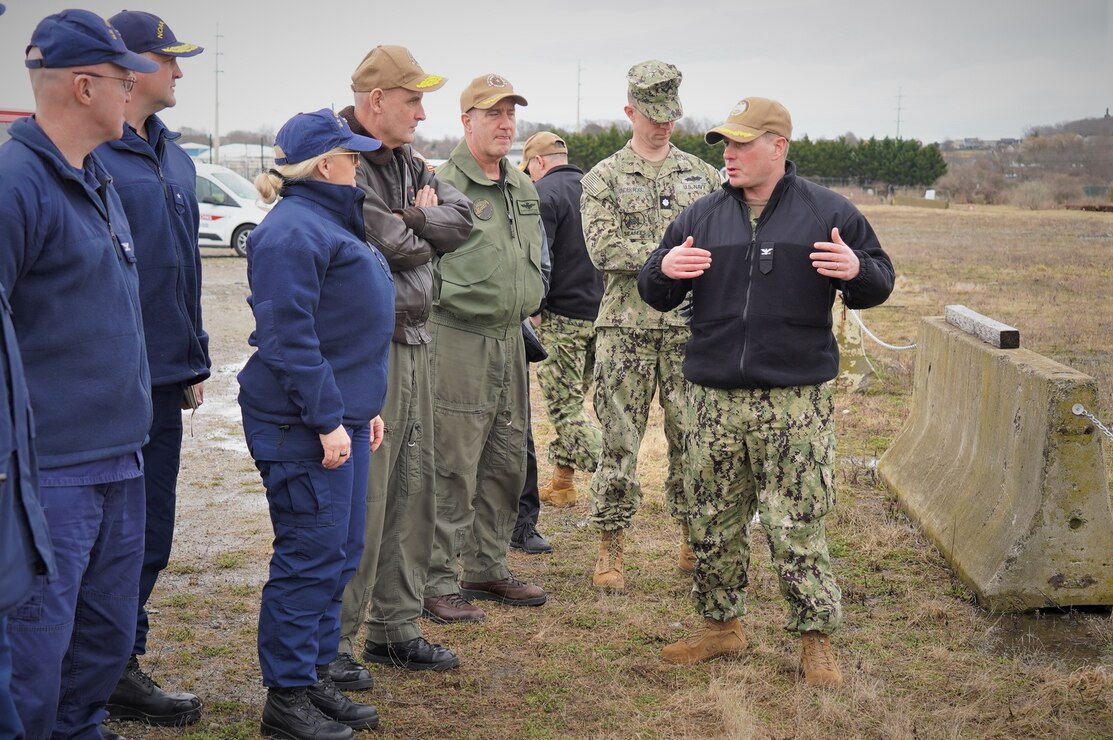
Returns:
<point x="67" y="258"/>
<point x="410" y="215"/>
<point x="156" y="182"/>
<point x="763" y="259"/>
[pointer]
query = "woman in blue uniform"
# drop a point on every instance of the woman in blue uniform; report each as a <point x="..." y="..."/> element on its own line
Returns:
<point x="310" y="395"/>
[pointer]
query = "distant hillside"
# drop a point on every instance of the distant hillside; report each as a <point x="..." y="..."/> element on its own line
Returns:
<point x="1083" y="127"/>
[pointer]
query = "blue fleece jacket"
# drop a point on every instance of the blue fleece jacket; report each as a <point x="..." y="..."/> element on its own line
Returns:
<point x="67" y="259"/>
<point x="156" y="182"/>
<point x="25" y="548"/>
<point x="323" y="300"/>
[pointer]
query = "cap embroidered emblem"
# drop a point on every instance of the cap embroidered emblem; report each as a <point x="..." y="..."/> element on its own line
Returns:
<point x="495" y="81"/>
<point x="740" y="108"/>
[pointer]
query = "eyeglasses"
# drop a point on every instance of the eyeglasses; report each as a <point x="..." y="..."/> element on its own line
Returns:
<point x="128" y="82"/>
<point x="354" y="156"/>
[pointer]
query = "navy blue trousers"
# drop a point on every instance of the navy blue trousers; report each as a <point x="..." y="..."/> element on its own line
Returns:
<point x="72" y="637"/>
<point x="318" y="519"/>
<point x="529" y="503"/>
<point x="10" y="725"/>
<point x="161" y="460"/>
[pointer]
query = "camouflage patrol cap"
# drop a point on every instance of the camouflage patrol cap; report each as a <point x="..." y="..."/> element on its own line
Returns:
<point x="486" y="90"/>
<point x="749" y="119"/>
<point x="387" y="67"/>
<point x="654" y="87"/>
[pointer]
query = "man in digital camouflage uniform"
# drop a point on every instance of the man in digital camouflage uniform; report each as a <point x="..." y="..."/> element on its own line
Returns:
<point x="762" y="260"/>
<point x="628" y="200"/>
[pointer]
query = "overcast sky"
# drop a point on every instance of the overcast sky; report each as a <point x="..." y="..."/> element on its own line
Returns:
<point x="974" y="68"/>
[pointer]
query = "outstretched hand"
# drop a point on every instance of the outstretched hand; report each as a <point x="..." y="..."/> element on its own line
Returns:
<point x="836" y="260"/>
<point x="684" y="262"/>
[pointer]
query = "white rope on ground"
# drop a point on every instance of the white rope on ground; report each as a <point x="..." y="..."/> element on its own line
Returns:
<point x="871" y="335"/>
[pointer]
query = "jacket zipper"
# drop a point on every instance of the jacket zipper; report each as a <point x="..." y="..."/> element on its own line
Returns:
<point x="746" y="303"/>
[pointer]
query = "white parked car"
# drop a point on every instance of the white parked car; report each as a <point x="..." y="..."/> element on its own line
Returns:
<point x="230" y="207"/>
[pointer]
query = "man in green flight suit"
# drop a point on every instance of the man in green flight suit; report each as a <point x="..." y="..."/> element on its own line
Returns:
<point x="481" y="294"/>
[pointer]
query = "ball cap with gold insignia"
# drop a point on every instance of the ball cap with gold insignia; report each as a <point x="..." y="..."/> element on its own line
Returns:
<point x="540" y="144"/>
<point x="143" y="32"/>
<point x="749" y="119"/>
<point x="309" y="135"/>
<point x="388" y="67"/>
<point x="486" y="90"/>
<point x="654" y="87"/>
<point x="74" y="38"/>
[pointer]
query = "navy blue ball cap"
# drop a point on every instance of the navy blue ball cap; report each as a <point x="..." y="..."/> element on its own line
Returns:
<point x="74" y="38"/>
<point x="144" y="32"/>
<point x="309" y="135"/>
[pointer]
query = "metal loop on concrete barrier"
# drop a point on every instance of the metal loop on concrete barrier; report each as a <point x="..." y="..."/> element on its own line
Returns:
<point x="1080" y="410"/>
<point x="871" y="335"/>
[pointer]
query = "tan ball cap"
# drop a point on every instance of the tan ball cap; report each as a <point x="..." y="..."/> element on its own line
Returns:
<point x="540" y="144"/>
<point x="486" y="90"/>
<point x="751" y="118"/>
<point x="387" y="67"/>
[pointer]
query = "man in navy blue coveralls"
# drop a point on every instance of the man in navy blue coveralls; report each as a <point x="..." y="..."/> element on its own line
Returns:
<point x="156" y="181"/>
<point x="67" y="259"/>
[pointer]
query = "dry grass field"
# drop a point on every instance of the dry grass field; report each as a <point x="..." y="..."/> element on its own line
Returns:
<point x="919" y="657"/>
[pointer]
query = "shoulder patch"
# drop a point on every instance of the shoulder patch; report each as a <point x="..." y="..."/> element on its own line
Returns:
<point x="593" y="184"/>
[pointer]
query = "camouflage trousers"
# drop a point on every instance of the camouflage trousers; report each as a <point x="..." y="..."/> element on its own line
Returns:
<point x="772" y="450"/>
<point x="564" y="380"/>
<point x="630" y="365"/>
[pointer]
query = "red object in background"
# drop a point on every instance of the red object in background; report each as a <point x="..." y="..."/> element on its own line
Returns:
<point x="7" y="116"/>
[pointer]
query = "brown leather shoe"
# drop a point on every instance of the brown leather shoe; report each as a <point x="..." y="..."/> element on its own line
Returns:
<point x="452" y="608"/>
<point x="507" y="591"/>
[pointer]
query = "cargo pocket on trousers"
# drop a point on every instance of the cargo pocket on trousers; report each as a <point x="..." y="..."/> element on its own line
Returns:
<point x="298" y="492"/>
<point x="411" y="460"/>
<point x="823" y="453"/>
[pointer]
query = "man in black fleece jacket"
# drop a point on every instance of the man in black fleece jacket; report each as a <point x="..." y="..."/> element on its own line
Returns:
<point x="763" y="259"/>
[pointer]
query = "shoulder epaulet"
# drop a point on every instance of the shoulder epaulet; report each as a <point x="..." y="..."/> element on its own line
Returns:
<point x="593" y="184"/>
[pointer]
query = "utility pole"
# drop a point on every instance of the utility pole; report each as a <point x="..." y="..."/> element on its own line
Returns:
<point x="216" y="106"/>
<point x="579" y="90"/>
<point x="900" y="99"/>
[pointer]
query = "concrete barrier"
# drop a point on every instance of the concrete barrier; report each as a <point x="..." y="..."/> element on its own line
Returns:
<point x="1007" y="482"/>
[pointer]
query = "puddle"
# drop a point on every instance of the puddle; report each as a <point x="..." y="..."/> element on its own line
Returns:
<point x="1075" y="637"/>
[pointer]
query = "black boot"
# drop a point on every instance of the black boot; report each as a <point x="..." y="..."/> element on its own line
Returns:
<point x="138" y="697"/>
<point x="417" y="654"/>
<point x="333" y="704"/>
<point x="289" y="714"/>
<point x="346" y="673"/>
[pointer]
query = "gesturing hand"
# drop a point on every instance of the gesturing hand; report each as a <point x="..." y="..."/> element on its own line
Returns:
<point x="837" y="260"/>
<point x="684" y="261"/>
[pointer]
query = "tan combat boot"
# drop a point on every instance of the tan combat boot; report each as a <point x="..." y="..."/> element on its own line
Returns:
<point x="608" y="569"/>
<point x="817" y="661"/>
<point x="686" y="561"/>
<point x="560" y="492"/>
<point x="713" y="639"/>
